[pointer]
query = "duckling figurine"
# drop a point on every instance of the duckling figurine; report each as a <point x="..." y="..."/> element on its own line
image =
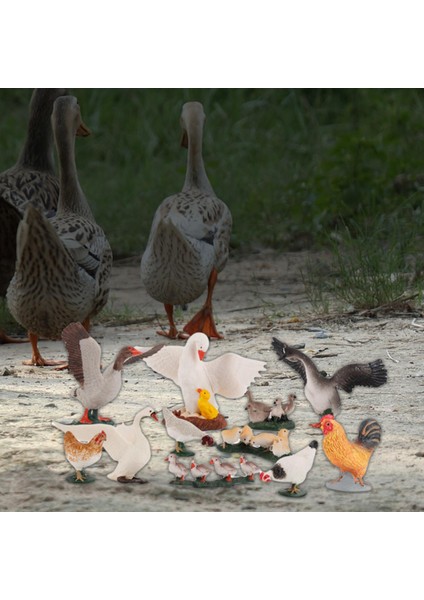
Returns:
<point x="206" y="409"/>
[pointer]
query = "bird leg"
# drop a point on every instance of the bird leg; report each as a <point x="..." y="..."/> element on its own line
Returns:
<point x="251" y="477"/>
<point x="37" y="360"/>
<point x="85" y="419"/>
<point x="203" y="321"/>
<point x="79" y="476"/>
<point x="203" y="479"/>
<point x="173" y="333"/>
<point x="294" y="489"/>
<point x="228" y="478"/>
<point x="179" y="448"/>
<point x="93" y="414"/>
<point x="5" y="339"/>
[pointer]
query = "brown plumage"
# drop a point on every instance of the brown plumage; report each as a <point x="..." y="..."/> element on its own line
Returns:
<point x="63" y="264"/>
<point x="82" y="455"/>
<point x="189" y="239"/>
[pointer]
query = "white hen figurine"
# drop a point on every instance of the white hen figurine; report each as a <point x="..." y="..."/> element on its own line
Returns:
<point x="229" y="375"/>
<point x="249" y="468"/>
<point x="293" y="468"/>
<point x="225" y="470"/>
<point x="182" y="431"/>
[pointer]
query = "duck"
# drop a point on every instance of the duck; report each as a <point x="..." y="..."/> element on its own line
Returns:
<point x="206" y="409"/>
<point x="249" y="468"/>
<point x="199" y="472"/>
<point x="32" y="179"/>
<point x="225" y="470"/>
<point x="125" y="443"/>
<point x="189" y="240"/>
<point x="63" y="264"/>
<point x="322" y="392"/>
<point x="182" y="431"/>
<point x="229" y="375"/>
<point x="178" y="469"/>
<point x="96" y="387"/>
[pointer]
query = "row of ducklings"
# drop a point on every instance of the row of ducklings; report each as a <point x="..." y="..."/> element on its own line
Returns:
<point x="200" y="472"/>
<point x="277" y="443"/>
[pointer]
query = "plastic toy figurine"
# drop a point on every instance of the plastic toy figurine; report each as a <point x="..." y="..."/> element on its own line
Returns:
<point x="352" y="458"/>
<point x="292" y="469"/>
<point x="182" y="431"/>
<point x="270" y="418"/>
<point x="82" y="455"/>
<point x="249" y="468"/>
<point x="225" y="470"/>
<point x="206" y="409"/>
<point x="323" y="392"/>
<point x="125" y="443"/>
<point x="231" y="436"/>
<point x="96" y="387"/>
<point x="178" y="469"/>
<point x="199" y="472"/>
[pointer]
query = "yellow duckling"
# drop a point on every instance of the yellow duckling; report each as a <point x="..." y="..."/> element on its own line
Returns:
<point x="206" y="409"/>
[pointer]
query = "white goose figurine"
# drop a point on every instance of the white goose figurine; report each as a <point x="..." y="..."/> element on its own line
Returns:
<point x="229" y="375"/>
<point x="96" y="388"/>
<point x="190" y="236"/>
<point x="126" y="444"/>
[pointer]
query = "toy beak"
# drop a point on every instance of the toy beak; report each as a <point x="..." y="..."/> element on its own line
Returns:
<point x="155" y="417"/>
<point x="316" y="425"/>
<point x="201" y="354"/>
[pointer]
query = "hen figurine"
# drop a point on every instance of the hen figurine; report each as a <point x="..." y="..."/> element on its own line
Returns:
<point x="225" y="470"/>
<point x="199" y="472"/>
<point x="323" y="392"/>
<point x="229" y="375"/>
<point x="82" y="455"/>
<point x="349" y="457"/>
<point x="182" y="431"/>
<point x="190" y="237"/>
<point x="178" y="469"/>
<point x="293" y="469"/>
<point x="96" y="387"/>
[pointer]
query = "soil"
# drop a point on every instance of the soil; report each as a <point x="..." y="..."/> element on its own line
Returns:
<point x="257" y="297"/>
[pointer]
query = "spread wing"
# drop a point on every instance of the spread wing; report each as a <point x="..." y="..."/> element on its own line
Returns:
<point x="72" y="337"/>
<point x="231" y="375"/>
<point x="165" y="362"/>
<point x="373" y="374"/>
<point x="294" y="358"/>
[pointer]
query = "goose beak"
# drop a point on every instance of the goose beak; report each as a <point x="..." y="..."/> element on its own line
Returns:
<point x="155" y="417"/>
<point x="201" y="354"/>
<point x="134" y="351"/>
<point x="83" y="130"/>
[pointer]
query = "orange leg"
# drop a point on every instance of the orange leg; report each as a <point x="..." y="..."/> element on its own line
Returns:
<point x="85" y="418"/>
<point x="37" y="360"/>
<point x="228" y="478"/>
<point x="5" y="339"/>
<point x="203" y="321"/>
<point x="173" y="333"/>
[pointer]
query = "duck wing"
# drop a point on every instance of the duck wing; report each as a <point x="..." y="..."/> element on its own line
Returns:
<point x="297" y="360"/>
<point x="230" y="375"/>
<point x="165" y="362"/>
<point x="373" y="374"/>
<point x="84" y="353"/>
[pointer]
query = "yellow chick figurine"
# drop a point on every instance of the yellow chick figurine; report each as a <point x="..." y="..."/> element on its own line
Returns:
<point x="206" y="409"/>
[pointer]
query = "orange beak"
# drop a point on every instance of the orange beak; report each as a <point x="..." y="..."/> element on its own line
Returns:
<point x="201" y="354"/>
<point x="134" y="351"/>
<point x="316" y="425"/>
<point x="211" y="462"/>
<point x="155" y="417"/>
<point x="199" y="390"/>
<point x="83" y="130"/>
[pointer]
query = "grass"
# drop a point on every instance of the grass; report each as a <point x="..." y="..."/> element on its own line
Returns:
<point x="294" y="166"/>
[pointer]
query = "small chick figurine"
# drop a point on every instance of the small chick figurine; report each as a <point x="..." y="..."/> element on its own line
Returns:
<point x="206" y="409"/>
<point x="231" y="436"/>
<point x="178" y="469"/>
<point x="82" y="455"/>
<point x="199" y="472"/>
<point x="249" y="468"/>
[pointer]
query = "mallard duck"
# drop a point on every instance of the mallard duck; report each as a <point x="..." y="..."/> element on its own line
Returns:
<point x="189" y="239"/>
<point x="63" y="264"/>
<point x="32" y="179"/>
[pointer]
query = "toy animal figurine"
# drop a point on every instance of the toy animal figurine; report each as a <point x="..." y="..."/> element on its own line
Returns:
<point x="125" y="443"/>
<point x="249" y="468"/>
<point x="189" y="240"/>
<point x="280" y="446"/>
<point x="280" y="410"/>
<point x="206" y="409"/>
<point x="292" y="469"/>
<point x="231" y="436"/>
<point x="225" y="470"/>
<point x="182" y="431"/>
<point x="349" y="457"/>
<point x="178" y="469"/>
<point x="229" y="375"/>
<point x="323" y="392"/>
<point x="82" y="455"/>
<point x="263" y="440"/>
<point x="246" y="435"/>
<point x="199" y="472"/>
<point x="257" y="411"/>
<point x="96" y="387"/>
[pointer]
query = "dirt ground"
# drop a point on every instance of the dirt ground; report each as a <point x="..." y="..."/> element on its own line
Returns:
<point x="256" y="297"/>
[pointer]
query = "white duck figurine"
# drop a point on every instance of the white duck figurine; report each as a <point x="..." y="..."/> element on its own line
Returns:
<point x="96" y="387"/>
<point x="182" y="431"/>
<point x="63" y="264"/>
<point x="199" y="472"/>
<point x="178" y="469"/>
<point x="229" y="375"/>
<point x="225" y="470"/>
<point x="249" y="468"/>
<point x="189" y="239"/>
<point x="125" y="444"/>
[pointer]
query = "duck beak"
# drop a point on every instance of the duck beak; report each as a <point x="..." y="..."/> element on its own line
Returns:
<point x="201" y="354"/>
<point x="155" y="417"/>
<point x="83" y="130"/>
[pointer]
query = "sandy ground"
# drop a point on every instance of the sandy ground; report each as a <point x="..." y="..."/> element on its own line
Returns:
<point x="256" y="298"/>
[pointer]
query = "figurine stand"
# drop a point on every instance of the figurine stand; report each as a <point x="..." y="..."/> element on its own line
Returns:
<point x="347" y="484"/>
<point x="204" y="424"/>
<point x="288" y="494"/>
<point x="72" y="478"/>
<point x="183" y="450"/>
<point x="213" y="483"/>
<point x="272" y="425"/>
<point x="241" y="448"/>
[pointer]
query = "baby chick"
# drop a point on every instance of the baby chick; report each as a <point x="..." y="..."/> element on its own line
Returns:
<point x="231" y="436"/>
<point x="206" y="409"/>
<point x="249" y="468"/>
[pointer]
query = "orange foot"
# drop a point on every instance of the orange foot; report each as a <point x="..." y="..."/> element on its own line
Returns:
<point x="39" y="361"/>
<point x="203" y="322"/>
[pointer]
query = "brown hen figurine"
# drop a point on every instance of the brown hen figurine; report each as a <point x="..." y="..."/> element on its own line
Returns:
<point x="82" y="455"/>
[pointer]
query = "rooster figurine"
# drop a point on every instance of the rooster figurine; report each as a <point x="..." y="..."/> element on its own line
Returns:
<point x="82" y="455"/>
<point x="96" y="388"/>
<point x="349" y="457"/>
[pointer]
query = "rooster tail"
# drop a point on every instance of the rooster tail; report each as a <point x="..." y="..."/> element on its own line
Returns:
<point x="369" y="434"/>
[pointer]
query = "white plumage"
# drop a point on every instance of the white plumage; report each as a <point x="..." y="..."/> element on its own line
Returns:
<point x="293" y="468"/>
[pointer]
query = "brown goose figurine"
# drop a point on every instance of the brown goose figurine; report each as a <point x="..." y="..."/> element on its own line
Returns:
<point x="189" y="239"/>
<point x="63" y="264"/>
<point x="32" y="179"/>
<point x="96" y="387"/>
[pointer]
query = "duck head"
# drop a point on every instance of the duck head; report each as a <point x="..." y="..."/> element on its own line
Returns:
<point x="198" y="344"/>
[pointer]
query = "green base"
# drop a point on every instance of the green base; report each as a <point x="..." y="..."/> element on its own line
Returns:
<point x="272" y="425"/>
<point x="184" y="451"/>
<point x="214" y="483"/>
<point x="287" y="494"/>
<point x="72" y="478"/>
<point x="244" y="449"/>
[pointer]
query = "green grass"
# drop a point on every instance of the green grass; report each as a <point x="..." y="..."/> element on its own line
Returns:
<point x="294" y="166"/>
